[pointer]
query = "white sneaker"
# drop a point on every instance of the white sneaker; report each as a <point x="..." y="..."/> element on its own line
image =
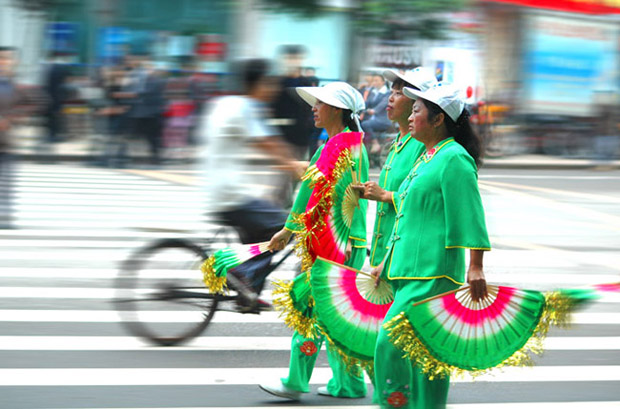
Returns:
<point x="281" y="391"/>
<point x="322" y="390"/>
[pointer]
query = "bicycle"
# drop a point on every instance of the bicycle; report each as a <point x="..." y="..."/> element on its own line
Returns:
<point x="166" y="273"/>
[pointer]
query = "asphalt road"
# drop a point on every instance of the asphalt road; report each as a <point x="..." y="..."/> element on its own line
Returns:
<point x="61" y="345"/>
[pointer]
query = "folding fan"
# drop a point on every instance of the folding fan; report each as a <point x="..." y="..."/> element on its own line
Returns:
<point x="329" y="212"/>
<point x="293" y="300"/>
<point x="326" y="164"/>
<point x="349" y="308"/>
<point x="450" y="333"/>
<point x="215" y="268"/>
<point x="578" y="296"/>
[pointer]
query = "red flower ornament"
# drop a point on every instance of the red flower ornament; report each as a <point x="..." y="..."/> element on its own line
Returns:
<point x="308" y="348"/>
<point x="397" y="399"/>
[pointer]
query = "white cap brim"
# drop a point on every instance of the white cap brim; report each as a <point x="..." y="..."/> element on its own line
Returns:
<point x="392" y="75"/>
<point x="453" y="107"/>
<point x="312" y="94"/>
<point x="413" y="93"/>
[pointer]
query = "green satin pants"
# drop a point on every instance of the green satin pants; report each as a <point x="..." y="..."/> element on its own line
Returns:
<point x="398" y="382"/>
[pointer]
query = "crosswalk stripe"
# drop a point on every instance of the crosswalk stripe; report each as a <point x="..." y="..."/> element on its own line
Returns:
<point x="87" y="225"/>
<point x="81" y="217"/>
<point x="549" y="280"/>
<point x="107" y="201"/>
<point x="97" y="191"/>
<point x="110" y="293"/>
<point x="43" y="315"/>
<point x="103" y="185"/>
<point x="249" y="376"/>
<point x="46" y="243"/>
<point x="273" y="343"/>
<point x="110" y="273"/>
<point x="68" y="210"/>
<point x="106" y="234"/>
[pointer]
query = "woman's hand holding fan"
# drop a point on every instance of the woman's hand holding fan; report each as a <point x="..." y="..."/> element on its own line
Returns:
<point x="372" y="191"/>
<point x="475" y="276"/>
<point x="279" y="240"/>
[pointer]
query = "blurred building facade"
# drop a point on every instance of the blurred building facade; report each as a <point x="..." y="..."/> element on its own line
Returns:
<point x="539" y="59"/>
<point x="551" y="58"/>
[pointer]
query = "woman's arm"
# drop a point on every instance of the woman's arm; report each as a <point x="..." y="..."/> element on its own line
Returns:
<point x="475" y="275"/>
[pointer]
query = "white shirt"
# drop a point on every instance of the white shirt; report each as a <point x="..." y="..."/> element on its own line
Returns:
<point x="229" y="161"/>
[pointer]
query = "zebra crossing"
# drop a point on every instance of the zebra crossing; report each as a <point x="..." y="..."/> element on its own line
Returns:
<point x="61" y="345"/>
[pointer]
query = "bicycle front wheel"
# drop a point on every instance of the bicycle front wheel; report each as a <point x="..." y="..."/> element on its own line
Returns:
<point x="161" y="296"/>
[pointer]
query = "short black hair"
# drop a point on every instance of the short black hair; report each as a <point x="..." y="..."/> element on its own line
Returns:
<point x="7" y="48"/>
<point x="292" y="49"/>
<point x="252" y="71"/>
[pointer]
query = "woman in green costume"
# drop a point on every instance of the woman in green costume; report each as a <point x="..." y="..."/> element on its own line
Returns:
<point x="335" y="107"/>
<point x="403" y="153"/>
<point x="439" y="214"/>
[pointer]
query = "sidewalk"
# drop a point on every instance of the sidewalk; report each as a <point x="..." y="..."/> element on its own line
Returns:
<point x="27" y="148"/>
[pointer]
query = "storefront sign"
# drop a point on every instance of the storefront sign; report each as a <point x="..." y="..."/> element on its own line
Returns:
<point x="397" y="55"/>
<point x="566" y="61"/>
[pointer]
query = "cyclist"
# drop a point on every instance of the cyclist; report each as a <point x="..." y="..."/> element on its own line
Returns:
<point x="237" y="186"/>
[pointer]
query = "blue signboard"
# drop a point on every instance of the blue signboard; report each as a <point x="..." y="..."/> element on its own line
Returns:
<point x="61" y="37"/>
<point x="566" y="62"/>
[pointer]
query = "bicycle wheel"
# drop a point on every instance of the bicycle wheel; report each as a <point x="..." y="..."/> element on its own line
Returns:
<point x="161" y="296"/>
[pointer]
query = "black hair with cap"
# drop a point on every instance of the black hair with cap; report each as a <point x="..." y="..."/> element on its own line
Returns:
<point x="461" y="130"/>
<point x="348" y="121"/>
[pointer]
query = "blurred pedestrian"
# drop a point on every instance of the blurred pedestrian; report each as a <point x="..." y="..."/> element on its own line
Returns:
<point x="292" y="116"/>
<point x="375" y="117"/>
<point x="148" y="107"/>
<point x="607" y="139"/>
<point x="440" y="214"/>
<point x="311" y="79"/>
<point x="336" y="107"/>
<point x="112" y="117"/>
<point x="11" y="100"/>
<point x="55" y="84"/>
<point x="365" y="86"/>
<point x="315" y="133"/>
<point x="237" y="190"/>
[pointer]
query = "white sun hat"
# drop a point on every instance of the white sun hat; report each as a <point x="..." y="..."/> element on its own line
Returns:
<point x="446" y="95"/>
<point x="337" y="94"/>
<point x="420" y="77"/>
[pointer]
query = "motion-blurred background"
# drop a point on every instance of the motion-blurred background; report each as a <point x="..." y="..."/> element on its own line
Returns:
<point x="539" y="76"/>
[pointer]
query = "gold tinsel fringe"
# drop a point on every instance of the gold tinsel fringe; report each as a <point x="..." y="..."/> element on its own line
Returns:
<point x="556" y="312"/>
<point x="325" y="191"/>
<point x="352" y="365"/>
<point x="293" y="318"/>
<point x="215" y="284"/>
<point x="301" y="245"/>
<point x="313" y="175"/>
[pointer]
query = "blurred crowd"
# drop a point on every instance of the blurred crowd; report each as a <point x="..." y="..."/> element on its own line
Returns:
<point x="138" y="102"/>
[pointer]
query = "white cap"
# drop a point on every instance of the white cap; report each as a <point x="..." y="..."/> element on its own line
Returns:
<point x="420" y="77"/>
<point x="443" y="94"/>
<point x="337" y="94"/>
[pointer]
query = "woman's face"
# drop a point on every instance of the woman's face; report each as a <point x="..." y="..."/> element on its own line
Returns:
<point x="419" y="126"/>
<point x="325" y="116"/>
<point x="399" y="106"/>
